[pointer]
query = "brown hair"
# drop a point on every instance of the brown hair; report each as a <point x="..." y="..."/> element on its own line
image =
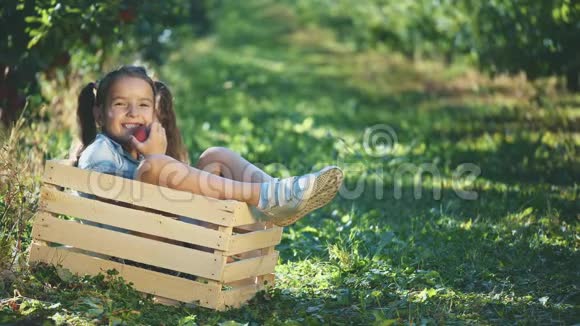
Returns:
<point x="166" y="116"/>
<point x="92" y="95"/>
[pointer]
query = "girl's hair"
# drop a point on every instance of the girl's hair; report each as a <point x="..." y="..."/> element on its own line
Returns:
<point x="96" y="96"/>
<point x="166" y="116"/>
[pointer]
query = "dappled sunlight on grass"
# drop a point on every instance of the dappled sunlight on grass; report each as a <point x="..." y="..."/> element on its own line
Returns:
<point x="392" y="247"/>
<point x="354" y="280"/>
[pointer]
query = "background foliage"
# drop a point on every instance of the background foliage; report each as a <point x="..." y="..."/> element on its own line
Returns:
<point x="294" y="86"/>
<point x="48" y="36"/>
<point x="538" y="37"/>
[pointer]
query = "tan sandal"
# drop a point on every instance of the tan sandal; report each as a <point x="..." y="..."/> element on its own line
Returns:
<point x="288" y="200"/>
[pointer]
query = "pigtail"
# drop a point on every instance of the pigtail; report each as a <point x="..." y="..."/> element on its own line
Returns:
<point x="86" y="120"/>
<point x="175" y="147"/>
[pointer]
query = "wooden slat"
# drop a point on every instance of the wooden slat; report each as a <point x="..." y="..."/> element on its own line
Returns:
<point x="244" y="229"/>
<point x="234" y="298"/>
<point x="250" y="267"/>
<point x="244" y="214"/>
<point x="175" y="303"/>
<point x="252" y="227"/>
<point x="127" y="246"/>
<point x="254" y="240"/>
<point x="64" y="162"/>
<point x="243" y="282"/>
<point x="152" y="282"/>
<point x="268" y="280"/>
<point x="131" y="219"/>
<point x="142" y="194"/>
<point x="166" y="301"/>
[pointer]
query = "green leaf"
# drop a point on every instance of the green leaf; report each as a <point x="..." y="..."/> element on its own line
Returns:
<point x="64" y="274"/>
<point x="232" y="323"/>
<point x="35" y="40"/>
<point x="32" y="19"/>
<point x="188" y="321"/>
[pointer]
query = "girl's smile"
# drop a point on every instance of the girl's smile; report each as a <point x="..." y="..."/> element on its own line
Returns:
<point x="130" y="104"/>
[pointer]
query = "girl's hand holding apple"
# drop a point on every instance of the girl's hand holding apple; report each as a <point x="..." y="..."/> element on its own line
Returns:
<point x="152" y="142"/>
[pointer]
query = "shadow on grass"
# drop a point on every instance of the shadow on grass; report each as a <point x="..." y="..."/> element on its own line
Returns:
<point x="266" y="97"/>
<point x="522" y="161"/>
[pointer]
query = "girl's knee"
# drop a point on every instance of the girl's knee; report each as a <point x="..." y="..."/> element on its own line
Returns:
<point x="215" y="154"/>
<point x="151" y="167"/>
<point x="213" y="159"/>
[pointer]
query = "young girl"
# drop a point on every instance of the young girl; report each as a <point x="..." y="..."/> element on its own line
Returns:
<point x="127" y="98"/>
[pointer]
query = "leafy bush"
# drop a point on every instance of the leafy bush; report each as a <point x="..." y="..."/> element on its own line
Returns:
<point x="412" y="27"/>
<point x="43" y="35"/>
<point x="539" y="37"/>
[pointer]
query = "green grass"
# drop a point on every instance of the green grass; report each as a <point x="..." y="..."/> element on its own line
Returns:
<point x="508" y="257"/>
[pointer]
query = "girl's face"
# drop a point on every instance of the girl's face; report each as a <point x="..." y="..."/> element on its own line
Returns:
<point x="130" y="104"/>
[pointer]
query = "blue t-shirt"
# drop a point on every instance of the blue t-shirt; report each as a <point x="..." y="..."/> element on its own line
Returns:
<point x="105" y="155"/>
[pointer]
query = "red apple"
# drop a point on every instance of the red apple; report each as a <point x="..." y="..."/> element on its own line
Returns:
<point x="141" y="133"/>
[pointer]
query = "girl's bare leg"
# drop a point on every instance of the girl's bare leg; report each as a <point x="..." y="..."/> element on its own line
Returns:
<point x="231" y="165"/>
<point x="226" y="163"/>
<point x="285" y="201"/>
<point x="165" y="171"/>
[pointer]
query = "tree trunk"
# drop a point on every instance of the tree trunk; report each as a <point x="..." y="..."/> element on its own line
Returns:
<point x="573" y="80"/>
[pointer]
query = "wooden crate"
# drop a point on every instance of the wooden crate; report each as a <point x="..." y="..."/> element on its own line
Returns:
<point x="220" y="262"/>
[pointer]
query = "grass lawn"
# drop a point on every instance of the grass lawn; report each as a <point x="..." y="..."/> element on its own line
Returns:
<point x="499" y="248"/>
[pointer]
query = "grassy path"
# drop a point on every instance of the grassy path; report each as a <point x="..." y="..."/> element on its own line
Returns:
<point x="382" y="251"/>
